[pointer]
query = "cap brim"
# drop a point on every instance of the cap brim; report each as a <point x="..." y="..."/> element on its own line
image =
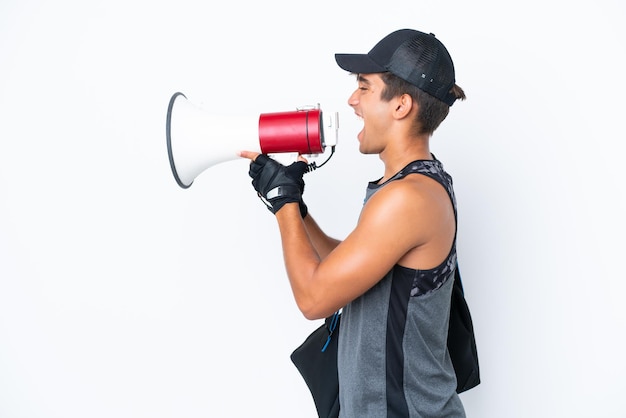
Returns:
<point x="358" y="64"/>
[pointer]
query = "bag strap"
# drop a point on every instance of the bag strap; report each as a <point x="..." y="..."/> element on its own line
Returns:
<point x="331" y="325"/>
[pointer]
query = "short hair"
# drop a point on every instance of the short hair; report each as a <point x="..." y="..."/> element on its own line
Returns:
<point x="431" y="111"/>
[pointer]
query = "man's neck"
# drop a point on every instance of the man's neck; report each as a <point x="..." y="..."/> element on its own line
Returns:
<point x="396" y="156"/>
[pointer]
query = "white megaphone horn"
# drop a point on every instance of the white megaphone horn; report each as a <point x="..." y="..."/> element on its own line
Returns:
<point x="197" y="140"/>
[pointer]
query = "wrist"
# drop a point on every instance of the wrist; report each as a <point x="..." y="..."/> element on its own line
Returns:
<point x="289" y="210"/>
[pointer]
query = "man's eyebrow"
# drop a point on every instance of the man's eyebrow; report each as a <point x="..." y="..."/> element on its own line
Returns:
<point x="361" y="79"/>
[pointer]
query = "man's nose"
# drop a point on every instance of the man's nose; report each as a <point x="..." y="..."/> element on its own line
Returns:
<point x="353" y="99"/>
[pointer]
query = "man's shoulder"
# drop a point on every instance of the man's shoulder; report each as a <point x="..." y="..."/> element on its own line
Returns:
<point x="414" y="201"/>
<point x="397" y="201"/>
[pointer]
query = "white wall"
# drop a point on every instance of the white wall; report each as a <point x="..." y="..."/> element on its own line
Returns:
<point x="122" y="295"/>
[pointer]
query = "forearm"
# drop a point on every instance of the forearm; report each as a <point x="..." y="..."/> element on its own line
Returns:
<point x="322" y="243"/>
<point x="300" y="256"/>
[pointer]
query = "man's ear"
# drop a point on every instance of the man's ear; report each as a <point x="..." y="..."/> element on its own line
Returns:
<point x="404" y="106"/>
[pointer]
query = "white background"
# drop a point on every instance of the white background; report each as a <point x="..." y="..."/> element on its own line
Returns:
<point x="123" y="295"/>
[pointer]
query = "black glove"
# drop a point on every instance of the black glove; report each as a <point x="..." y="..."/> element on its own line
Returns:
<point x="276" y="184"/>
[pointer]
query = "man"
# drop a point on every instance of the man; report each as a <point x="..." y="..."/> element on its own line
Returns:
<point x="392" y="276"/>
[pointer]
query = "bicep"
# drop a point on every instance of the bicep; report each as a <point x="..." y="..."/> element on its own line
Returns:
<point x="384" y="233"/>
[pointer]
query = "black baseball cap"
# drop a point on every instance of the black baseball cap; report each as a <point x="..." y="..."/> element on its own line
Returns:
<point x="414" y="56"/>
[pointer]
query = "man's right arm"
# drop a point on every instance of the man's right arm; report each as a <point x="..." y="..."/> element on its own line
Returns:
<point x="322" y="243"/>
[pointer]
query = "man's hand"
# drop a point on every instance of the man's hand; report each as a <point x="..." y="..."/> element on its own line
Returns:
<point x="275" y="183"/>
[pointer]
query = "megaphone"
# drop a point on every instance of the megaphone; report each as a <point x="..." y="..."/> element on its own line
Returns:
<point x="197" y="140"/>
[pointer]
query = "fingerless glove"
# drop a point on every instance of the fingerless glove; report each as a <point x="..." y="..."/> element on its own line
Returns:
<point x="277" y="184"/>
